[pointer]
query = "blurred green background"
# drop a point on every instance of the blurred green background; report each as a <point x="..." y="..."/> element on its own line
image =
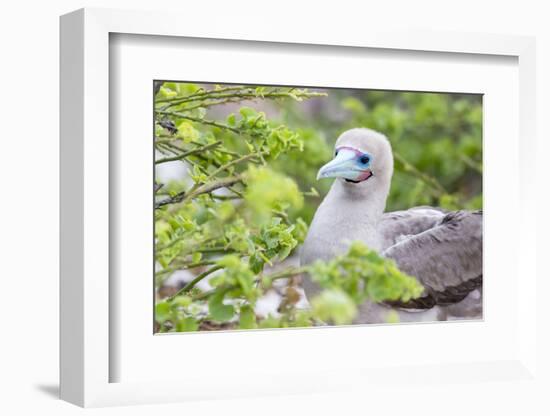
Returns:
<point x="436" y="139"/>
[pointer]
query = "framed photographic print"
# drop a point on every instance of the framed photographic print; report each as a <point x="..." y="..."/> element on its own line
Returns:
<point x="288" y="221"/>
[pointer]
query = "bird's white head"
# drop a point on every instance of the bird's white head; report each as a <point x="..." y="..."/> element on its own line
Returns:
<point x="363" y="160"/>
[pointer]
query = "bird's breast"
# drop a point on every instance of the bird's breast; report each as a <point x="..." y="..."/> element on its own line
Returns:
<point x="330" y="234"/>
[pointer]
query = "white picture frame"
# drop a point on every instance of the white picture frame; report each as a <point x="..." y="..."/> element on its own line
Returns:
<point x="87" y="354"/>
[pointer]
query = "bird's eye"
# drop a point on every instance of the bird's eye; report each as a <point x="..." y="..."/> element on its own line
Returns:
<point x="336" y="153"/>
<point x="364" y="159"/>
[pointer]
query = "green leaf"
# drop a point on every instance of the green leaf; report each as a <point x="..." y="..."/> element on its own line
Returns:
<point x="365" y="275"/>
<point x="247" y="318"/>
<point x="182" y="300"/>
<point x="267" y="189"/>
<point x="218" y="310"/>
<point x="186" y="131"/>
<point x="165" y="92"/>
<point x="256" y="263"/>
<point x="335" y="306"/>
<point x="231" y="120"/>
<point x="260" y="91"/>
<point x="188" y="324"/>
<point x="196" y="257"/>
<point x="248" y="113"/>
<point x="162" y="311"/>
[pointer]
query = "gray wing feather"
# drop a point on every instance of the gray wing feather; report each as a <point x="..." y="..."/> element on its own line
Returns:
<point x="397" y="225"/>
<point x="446" y="258"/>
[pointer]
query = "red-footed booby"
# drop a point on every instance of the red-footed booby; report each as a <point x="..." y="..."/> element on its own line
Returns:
<point x="443" y="250"/>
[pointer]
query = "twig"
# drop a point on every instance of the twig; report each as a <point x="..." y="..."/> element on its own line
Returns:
<point x="199" y="120"/>
<point x="203" y="189"/>
<point x="161" y="147"/>
<point x="212" y="186"/>
<point x="193" y="282"/>
<point x="214" y="250"/>
<point x="189" y="153"/>
<point x="172" y="200"/>
<point x="185" y="237"/>
<point x="201" y="93"/>
<point x="237" y="193"/>
<point x="472" y="163"/>
<point x="185" y="267"/>
<point x="173" y="149"/>
<point x="225" y="197"/>
<point x="420" y="175"/>
<point x="204" y="104"/>
<point x="222" y="150"/>
<point x="249" y="94"/>
<point x="231" y="163"/>
<point x="292" y="271"/>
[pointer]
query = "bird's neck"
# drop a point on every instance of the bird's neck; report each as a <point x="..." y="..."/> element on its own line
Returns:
<point x="364" y="202"/>
<point x="349" y="212"/>
<point x="354" y="211"/>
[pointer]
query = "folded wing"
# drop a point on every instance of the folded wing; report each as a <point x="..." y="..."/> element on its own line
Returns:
<point x="443" y="251"/>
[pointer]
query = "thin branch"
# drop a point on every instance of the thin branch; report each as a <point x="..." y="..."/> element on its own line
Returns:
<point x="201" y="93"/>
<point x="176" y="149"/>
<point x="222" y="150"/>
<point x="161" y="147"/>
<point x="225" y="197"/>
<point x="203" y="189"/>
<point x="249" y="94"/>
<point x="408" y="167"/>
<point x="203" y="104"/>
<point x="237" y="193"/>
<point x="186" y="237"/>
<point x="172" y="200"/>
<point x="184" y="267"/>
<point x="170" y="143"/>
<point x="214" y="250"/>
<point x="189" y="153"/>
<point x="290" y="272"/>
<point x="199" y="120"/>
<point x="212" y="186"/>
<point x="232" y="163"/>
<point x="472" y="164"/>
<point x="283" y="215"/>
<point x="193" y="282"/>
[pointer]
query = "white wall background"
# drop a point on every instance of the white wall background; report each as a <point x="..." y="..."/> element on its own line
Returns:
<point x="29" y="176"/>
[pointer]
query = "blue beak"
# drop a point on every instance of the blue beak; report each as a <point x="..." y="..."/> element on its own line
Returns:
<point x="344" y="165"/>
